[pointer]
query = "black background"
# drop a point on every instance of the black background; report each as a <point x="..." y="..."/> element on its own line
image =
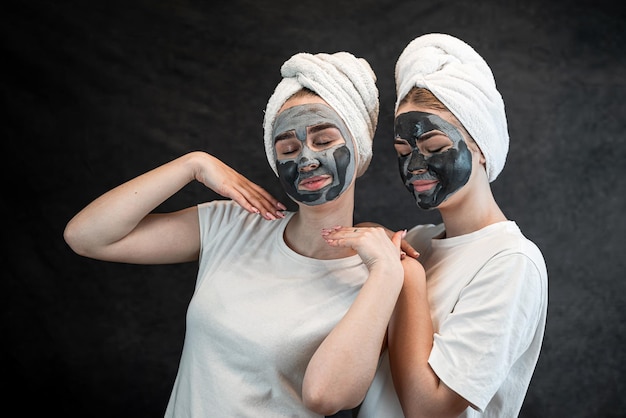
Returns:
<point x="97" y="92"/>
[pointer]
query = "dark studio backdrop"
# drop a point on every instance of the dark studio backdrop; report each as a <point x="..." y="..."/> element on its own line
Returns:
<point x="95" y="93"/>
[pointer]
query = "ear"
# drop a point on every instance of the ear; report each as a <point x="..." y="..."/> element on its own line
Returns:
<point x="482" y="159"/>
<point x="475" y="149"/>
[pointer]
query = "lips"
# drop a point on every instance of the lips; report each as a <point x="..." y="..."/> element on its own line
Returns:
<point x="315" y="182"/>
<point x="421" y="186"/>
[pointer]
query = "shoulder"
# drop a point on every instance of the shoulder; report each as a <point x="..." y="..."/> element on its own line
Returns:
<point x="513" y="241"/>
<point x="222" y="212"/>
<point x="420" y="235"/>
<point x="219" y="208"/>
<point x="226" y="218"/>
<point x="518" y="268"/>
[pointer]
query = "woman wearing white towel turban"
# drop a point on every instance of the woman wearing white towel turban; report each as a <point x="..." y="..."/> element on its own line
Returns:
<point x="465" y="341"/>
<point x="279" y="324"/>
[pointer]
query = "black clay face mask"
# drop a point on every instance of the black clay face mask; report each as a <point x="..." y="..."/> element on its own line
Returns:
<point x="433" y="157"/>
<point x="314" y="153"/>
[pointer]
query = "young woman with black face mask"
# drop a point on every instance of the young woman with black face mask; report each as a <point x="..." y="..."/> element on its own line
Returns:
<point x="465" y="338"/>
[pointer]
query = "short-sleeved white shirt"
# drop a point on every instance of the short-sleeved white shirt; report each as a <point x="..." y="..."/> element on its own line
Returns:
<point x="258" y="313"/>
<point x="488" y="299"/>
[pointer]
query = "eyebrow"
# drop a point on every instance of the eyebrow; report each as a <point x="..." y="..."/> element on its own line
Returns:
<point x="427" y="135"/>
<point x="423" y="137"/>
<point x="316" y="128"/>
<point x="285" y="135"/>
<point x="311" y="130"/>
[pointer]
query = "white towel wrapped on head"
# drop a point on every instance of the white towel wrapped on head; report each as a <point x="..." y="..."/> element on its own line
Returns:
<point x="461" y="79"/>
<point x="346" y="83"/>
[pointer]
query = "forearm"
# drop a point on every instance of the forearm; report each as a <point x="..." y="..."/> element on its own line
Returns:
<point x="116" y="213"/>
<point x="344" y="365"/>
<point x="420" y="391"/>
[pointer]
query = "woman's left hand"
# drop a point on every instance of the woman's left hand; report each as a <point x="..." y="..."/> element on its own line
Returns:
<point x="371" y="243"/>
<point x="404" y="244"/>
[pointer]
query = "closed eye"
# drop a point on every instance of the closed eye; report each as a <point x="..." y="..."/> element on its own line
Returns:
<point x="324" y="136"/>
<point x="434" y="142"/>
<point x="402" y="146"/>
<point x="287" y="145"/>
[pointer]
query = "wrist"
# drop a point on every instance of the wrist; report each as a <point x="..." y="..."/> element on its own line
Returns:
<point x="196" y="162"/>
<point x="414" y="276"/>
<point x="388" y="273"/>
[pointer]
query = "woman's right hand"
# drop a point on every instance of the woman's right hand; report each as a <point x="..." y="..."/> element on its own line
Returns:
<point x="372" y="244"/>
<point x="227" y="182"/>
<point x="404" y="244"/>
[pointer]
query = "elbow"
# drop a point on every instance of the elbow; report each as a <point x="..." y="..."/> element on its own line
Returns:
<point x="425" y="407"/>
<point x="72" y="237"/>
<point x="317" y="401"/>
<point x="69" y="235"/>
<point x="323" y="401"/>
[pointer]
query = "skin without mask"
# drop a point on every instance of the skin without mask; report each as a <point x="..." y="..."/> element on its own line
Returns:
<point x="446" y="170"/>
<point x="337" y="161"/>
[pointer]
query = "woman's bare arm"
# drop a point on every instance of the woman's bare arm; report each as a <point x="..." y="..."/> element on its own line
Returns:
<point x="120" y="226"/>
<point x="420" y="391"/>
<point x="343" y="367"/>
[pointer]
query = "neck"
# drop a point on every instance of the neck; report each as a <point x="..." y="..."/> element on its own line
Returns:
<point x="471" y="211"/>
<point x="303" y="232"/>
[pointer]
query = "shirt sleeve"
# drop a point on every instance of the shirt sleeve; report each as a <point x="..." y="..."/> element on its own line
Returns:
<point x="491" y="325"/>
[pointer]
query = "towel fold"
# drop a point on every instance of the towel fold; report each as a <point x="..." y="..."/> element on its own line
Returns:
<point x="345" y="82"/>
<point x="461" y="79"/>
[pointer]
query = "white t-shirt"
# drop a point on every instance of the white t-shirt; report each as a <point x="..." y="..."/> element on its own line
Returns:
<point x="488" y="300"/>
<point x="258" y="313"/>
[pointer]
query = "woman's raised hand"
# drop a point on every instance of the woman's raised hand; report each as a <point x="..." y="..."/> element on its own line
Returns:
<point x="227" y="182"/>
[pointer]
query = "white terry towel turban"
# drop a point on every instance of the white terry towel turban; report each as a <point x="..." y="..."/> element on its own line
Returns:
<point x="346" y="83"/>
<point x="461" y="79"/>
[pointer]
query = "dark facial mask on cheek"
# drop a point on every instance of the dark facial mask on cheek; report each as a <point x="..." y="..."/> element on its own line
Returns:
<point x="450" y="169"/>
<point x="338" y="162"/>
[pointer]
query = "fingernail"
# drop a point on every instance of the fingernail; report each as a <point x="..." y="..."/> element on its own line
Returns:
<point x="281" y="206"/>
<point x="270" y="216"/>
<point x="255" y="210"/>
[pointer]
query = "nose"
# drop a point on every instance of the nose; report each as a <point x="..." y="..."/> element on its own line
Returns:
<point x="417" y="163"/>
<point x="307" y="164"/>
